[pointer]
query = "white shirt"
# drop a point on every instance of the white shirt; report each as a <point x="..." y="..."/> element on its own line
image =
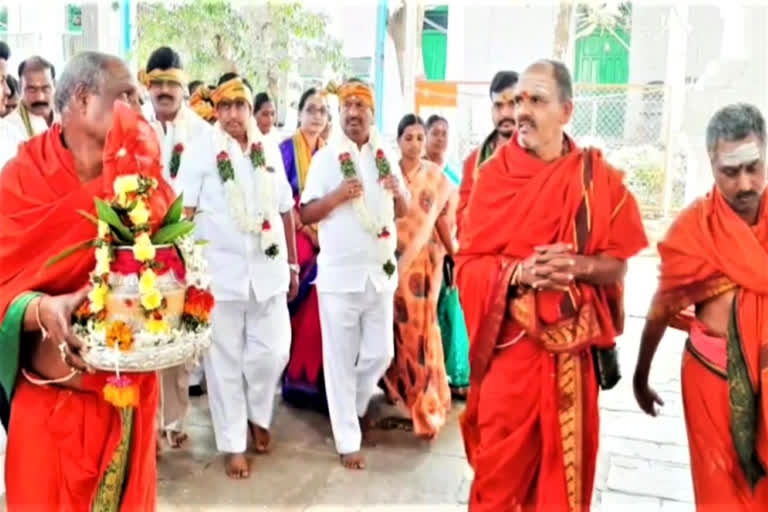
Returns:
<point x="187" y="127"/>
<point x="348" y="253"/>
<point x="10" y="138"/>
<point x="38" y="123"/>
<point x="237" y="262"/>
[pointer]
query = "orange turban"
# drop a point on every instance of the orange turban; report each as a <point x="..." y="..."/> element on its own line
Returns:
<point x="165" y="75"/>
<point x="232" y="90"/>
<point x="357" y="89"/>
<point x="202" y="104"/>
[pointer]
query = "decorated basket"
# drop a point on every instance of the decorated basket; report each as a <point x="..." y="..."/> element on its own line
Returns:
<point x="149" y="305"/>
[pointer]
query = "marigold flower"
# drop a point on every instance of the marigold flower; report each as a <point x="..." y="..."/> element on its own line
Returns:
<point x="139" y="215"/>
<point x="98" y="297"/>
<point x="143" y="250"/>
<point x="152" y="299"/>
<point x="121" y="392"/>
<point x="156" y="326"/>
<point x="120" y="336"/>
<point x="147" y="281"/>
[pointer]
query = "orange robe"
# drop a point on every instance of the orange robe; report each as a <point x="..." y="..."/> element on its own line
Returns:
<point x="61" y="442"/>
<point x="710" y="250"/>
<point x="531" y="424"/>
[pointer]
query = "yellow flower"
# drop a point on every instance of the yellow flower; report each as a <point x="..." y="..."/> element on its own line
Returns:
<point x="143" y="250"/>
<point x="126" y="184"/>
<point x="152" y="299"/>
<point x="103" y="229"/>
<point x="98" y="297"/>
<point x="147" y="281"/>
<point x="155" y="326"/>
<point x="102" y="260"/>
<point x="139" y="215"/>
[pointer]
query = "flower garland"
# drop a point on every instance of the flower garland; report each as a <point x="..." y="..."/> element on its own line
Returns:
<point x="261" y="223"/>
<point x="382" y="226"/>
<point x="178" y="149"/>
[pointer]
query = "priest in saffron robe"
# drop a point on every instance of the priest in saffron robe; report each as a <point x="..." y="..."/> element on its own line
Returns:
<point x="540" y="268"/>
<point x="502" y="112"/>
<point x="68" y="448"/>
<point x="714" y="285"/>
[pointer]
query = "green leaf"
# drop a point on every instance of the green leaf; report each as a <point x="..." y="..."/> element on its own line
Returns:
<point x="108" y="215"/>
<point x="174" y="212"/>
<point x="171" y="232"/>
<point x="88" y="216"/>
<point x="66" y="253"/>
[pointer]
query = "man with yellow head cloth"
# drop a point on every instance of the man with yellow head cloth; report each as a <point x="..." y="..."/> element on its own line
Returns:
<point x="234" y="185"/>
<point x="354" y="190"/>
<point x="176" y="125"/>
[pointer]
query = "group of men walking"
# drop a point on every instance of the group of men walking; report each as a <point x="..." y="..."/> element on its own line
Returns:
<point x="544" y="227"/>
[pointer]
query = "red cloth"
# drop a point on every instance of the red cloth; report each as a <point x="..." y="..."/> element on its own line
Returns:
<point x="465" y="189"/>
<point x="61" y="441"/>
<point x="518" y="203"/>
<point x="708" y="250"/>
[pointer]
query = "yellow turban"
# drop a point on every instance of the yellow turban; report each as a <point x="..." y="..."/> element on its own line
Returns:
<point x="165" y="75"/>
<point x="202" y="104"/>
<point x="357" y="89"/>
<point x="232" y="90"/>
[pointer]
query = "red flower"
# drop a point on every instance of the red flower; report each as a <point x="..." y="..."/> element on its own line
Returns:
<point x="198" y="303"/>
<point x="384" y="233"/>
<point x="380" y="154"/>
<point x="178" y="148"/>
<point x="266" y="226"/>
<point x="345" y="157"/>
<point x="222" y="157"/>
<point x="257" y="147"/>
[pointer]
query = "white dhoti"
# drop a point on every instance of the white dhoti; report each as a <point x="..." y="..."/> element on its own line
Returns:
<point x="196" y="375"/>
<point x="249" y="351"/>
<point x="174" y="398"/>
<point x="358" y="347"/>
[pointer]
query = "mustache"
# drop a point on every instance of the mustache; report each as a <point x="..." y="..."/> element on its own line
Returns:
<point x="526" y="119"/>
<point x="506" y="120"/>
<point x="165" y="97"/>
<point x="746" y="195"/>
<point x="39" y="104"/>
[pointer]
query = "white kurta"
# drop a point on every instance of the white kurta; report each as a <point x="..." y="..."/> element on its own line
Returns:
<point x="186" y="128"/>
<point x="251" y="324"/>
<point x="39" y="124"/>
<point x="10" y="138"/>
<point x="355" y="294"/>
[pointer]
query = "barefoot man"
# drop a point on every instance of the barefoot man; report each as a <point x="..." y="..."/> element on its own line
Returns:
<point x="68" y="448"/>
<point x="235" y="186"/>
<point x="714" y="285"/>
<point x="541" y="262"/>
<point x="176" y="126"/>
<point x="354" y="191"/>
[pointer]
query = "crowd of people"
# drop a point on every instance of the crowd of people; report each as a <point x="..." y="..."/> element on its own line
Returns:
<point x="383" y="268"/>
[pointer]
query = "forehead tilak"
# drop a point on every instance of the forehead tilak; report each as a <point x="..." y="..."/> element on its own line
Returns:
<point x="742" y="154"/>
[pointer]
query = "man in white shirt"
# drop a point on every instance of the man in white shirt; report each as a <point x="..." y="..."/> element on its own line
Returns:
<point x="10" y="138"/>
<point x="354" y="192"/>
<point x="235" y="186"/>
<point x="35" y="113"/>
<point x="176" y="126"/>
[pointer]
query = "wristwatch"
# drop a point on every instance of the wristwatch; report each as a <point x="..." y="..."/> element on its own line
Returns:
<point x="294" y="268"/>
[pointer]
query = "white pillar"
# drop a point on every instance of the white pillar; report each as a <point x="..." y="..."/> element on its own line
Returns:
<point x="409" y="69"/>
<point x="454" y="69"/>
<point x="675" y="101"/>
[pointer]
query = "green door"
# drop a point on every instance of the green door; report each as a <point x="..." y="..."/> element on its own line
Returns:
<point x="602" y="58"/>
<point x="434" y="42"/>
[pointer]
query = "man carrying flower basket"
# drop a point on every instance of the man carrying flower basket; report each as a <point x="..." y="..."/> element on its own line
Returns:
<point x="354" y="193"/>
<point x="235" y="186"/>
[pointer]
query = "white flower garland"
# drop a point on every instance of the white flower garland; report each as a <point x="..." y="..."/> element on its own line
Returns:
<point x="262" y="223"/>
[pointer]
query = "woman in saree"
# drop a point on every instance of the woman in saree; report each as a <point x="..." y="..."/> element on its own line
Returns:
<point x="416" y="379"/>
<point x="450" y="314"/>
<point x="303" y="381"/>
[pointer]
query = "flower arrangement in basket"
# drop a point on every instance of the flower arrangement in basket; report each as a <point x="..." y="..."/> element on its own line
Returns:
<point x="149" y="305"/>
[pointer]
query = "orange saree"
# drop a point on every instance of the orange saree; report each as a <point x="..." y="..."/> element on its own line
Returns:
<point x="67" y="450"/>
<point x="710" y="250"/>
<point x="531" y="424"/>
<point x="417" y="378"/>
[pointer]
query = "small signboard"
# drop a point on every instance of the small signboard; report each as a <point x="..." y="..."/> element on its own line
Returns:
<point x="74" y="19"/>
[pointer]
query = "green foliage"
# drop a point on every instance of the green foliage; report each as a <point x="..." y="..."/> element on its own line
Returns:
<point x="263" y="38"/>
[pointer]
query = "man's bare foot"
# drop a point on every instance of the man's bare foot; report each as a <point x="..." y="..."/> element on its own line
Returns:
<point x="262" y="440"/>
<point x="176" y="439"/>
<point x="354" y="461"/>
<point x="236" y="466"/>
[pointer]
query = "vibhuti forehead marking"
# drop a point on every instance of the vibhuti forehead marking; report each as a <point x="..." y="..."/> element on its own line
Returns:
<point x="744" y="154"/>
